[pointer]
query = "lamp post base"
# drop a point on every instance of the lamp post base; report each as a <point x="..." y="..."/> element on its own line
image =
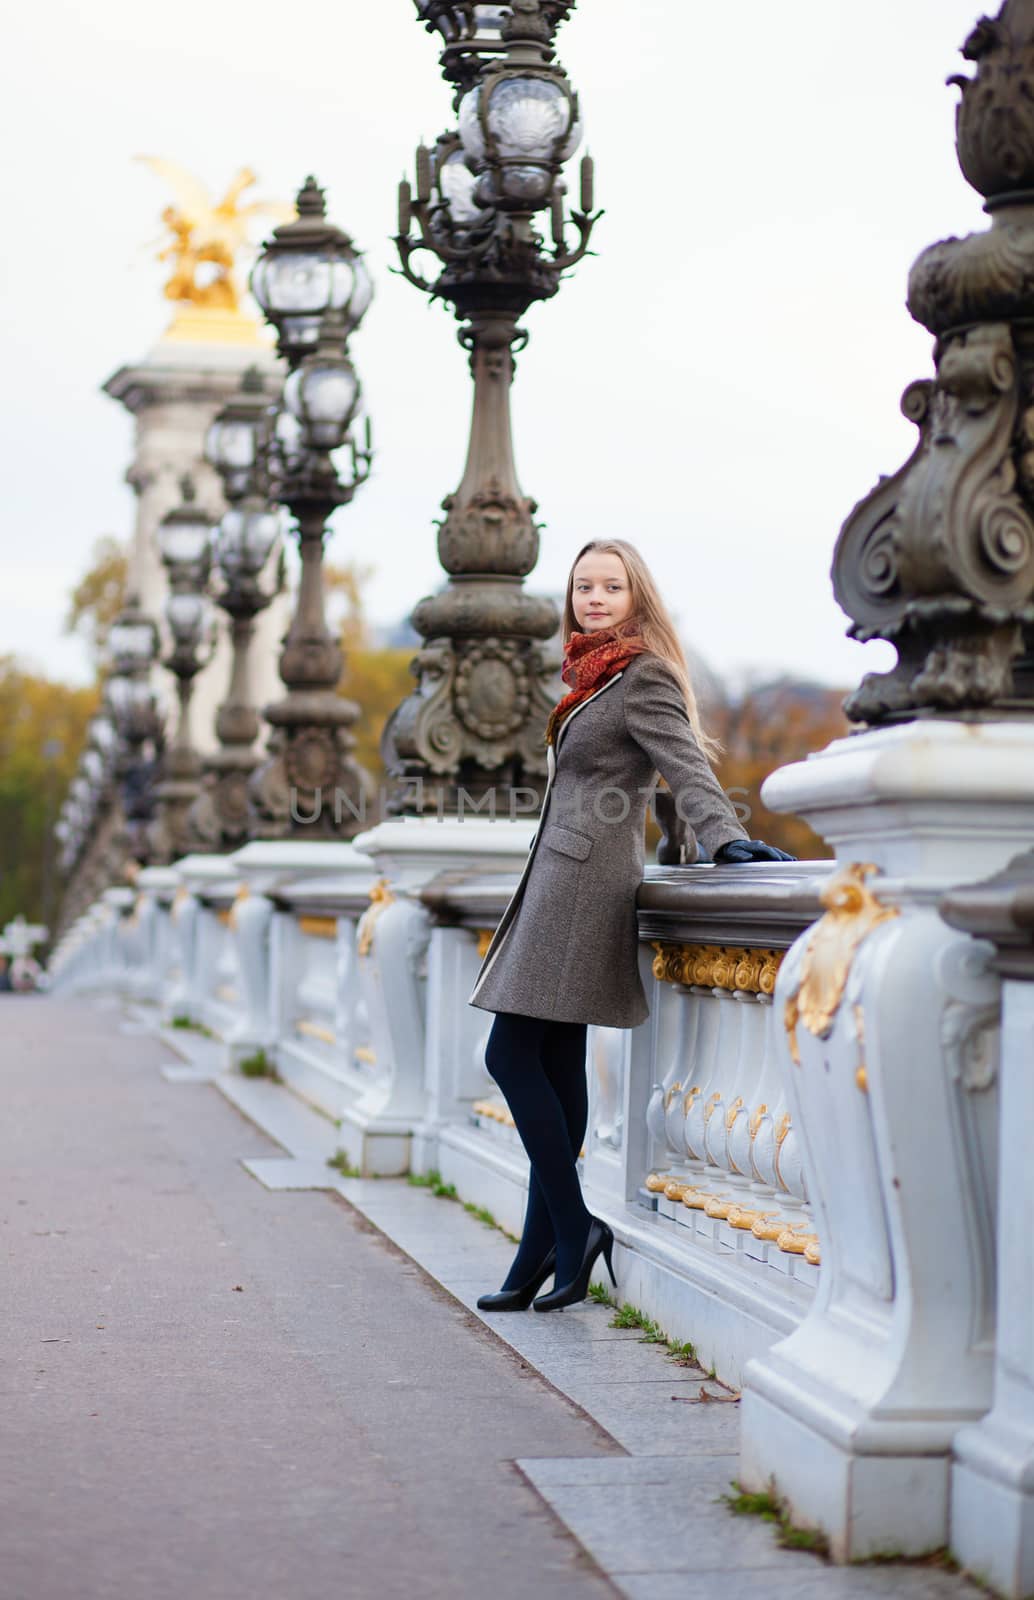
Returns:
<point x="312" y="787"/>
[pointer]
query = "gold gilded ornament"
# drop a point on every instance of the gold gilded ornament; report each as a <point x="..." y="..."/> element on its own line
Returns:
<point x="204" y="243"/>
<point x="713" y="966"/>
<point x="852" y="912"/>
<point x="381" y="898"/>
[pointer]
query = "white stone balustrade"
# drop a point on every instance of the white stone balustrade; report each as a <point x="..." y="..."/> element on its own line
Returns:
<point x="889" y="1054"/>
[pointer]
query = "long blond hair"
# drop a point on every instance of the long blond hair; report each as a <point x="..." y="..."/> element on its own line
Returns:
<point x="654" y="622"/>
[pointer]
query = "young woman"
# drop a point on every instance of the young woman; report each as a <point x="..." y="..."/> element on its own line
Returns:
<point x="565" y="953"/>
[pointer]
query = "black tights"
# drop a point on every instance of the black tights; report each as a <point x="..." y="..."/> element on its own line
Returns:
<point x="540" y="1067"/>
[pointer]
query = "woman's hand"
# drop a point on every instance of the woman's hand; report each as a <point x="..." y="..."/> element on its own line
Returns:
<point x="737" y="852"/>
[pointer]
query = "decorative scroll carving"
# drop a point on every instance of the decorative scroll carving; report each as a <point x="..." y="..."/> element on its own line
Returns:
<point x="476" y="716"/>
<point x="939" y="558"/>
<point x="491" y="531"/>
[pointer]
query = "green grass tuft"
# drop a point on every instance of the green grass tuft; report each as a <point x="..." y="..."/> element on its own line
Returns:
<point x="433" y="1181"/>
<point x="682" y="1352"/>
<point x="770" y="1508"/>
<point x="258" y="1066"/>
<point x="341" y="1164"/>
<point x="189" y="1025"/>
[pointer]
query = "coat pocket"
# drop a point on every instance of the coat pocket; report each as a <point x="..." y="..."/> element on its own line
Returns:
<point x="569" y="843"/>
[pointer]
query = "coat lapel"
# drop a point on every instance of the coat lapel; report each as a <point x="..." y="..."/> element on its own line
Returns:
<point x="587" y="702"/>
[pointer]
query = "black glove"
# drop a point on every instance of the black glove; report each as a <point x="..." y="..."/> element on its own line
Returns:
<point x="735" y="852"/>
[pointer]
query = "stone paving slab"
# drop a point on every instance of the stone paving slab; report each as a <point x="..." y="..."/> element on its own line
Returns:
<point x="215" y="1391"/>
<point x="273" y="1172"/>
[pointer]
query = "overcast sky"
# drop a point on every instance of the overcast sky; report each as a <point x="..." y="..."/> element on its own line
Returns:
<point x="719" y="384"/>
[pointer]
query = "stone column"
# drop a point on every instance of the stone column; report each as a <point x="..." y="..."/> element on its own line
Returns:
<point x="992" y="1503"/>
<point x="174" y="394"/>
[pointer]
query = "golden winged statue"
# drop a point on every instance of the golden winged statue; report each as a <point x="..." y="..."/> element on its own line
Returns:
<point x="205" y="239"/>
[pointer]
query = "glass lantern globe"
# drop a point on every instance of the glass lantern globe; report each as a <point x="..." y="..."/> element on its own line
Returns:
<point x="232" y="447"/>
<point x="230" y="444"/>
<point x="234" y="441"/>
<point x="183" y="537"/>
<point x="322" y="395"/>
<point x="288" y="448"/>
<point x="93" y="766"/>
<point x="185" y="614"/>
<point x="519" y="129"/>
<point x="101" y="735"/>
<point x="245" y="540"/>
<point x="456" y="186"/>
<point x="132" y="641"/>
<point x="119" y="695"/>
<point x="310" y="269"/>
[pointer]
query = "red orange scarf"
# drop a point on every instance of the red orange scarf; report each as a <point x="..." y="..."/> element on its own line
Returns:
<point x="590" y="661"/>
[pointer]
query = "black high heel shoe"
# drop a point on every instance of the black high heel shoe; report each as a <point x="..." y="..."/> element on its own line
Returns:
<point x="600" y="1241"/>
<point x="520" y="1299"/>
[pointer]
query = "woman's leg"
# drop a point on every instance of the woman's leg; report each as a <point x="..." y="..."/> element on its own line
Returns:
<point x="563" y="1058"/>
<point x="540" y="1068"/>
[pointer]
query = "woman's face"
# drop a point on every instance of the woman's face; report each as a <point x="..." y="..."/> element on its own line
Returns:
<point x="601" y="596"/>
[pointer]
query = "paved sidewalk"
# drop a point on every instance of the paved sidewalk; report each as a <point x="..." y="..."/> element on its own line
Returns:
<point x="213" y="1391"/>
<point x="225" y="1383"/>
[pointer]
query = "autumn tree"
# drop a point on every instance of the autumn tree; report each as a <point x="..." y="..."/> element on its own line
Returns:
<point x="98" y="597"/>
<point x="766" y="727"/>
<point x="42" y="732"/>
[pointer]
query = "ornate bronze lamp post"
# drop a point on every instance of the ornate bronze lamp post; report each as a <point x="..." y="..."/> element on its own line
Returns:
<point x="313" y="287"/>
<point x="475" y="720"/>
<point x="939" y="558"/>
<point x="130" y="703"/>
<point x="183" y="539"/>
<point x="244" y="543"/>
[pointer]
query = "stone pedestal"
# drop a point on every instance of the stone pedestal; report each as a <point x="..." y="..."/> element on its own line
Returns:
<point x="299" y="867"/>
<point x="890" y="1046"/>
<point x="394" y="947"/>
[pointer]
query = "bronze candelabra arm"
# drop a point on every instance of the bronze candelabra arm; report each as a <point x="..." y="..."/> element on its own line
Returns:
<point x="584" y="219"/>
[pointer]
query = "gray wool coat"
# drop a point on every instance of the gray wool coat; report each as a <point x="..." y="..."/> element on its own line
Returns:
<point x="566" y="948"/>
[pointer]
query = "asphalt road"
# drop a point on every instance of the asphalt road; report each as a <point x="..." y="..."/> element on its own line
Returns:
<point x="215" y="1392"/>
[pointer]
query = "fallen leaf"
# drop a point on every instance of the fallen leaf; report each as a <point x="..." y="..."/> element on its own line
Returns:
<point x="731" y="1399"/>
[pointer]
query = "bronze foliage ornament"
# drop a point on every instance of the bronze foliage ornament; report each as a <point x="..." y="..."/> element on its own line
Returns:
<point x="939" y="558"/>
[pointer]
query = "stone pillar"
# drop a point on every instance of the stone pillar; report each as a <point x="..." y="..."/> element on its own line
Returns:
<point x="174" y="394"/>
<point x="992" y="1501"/>
<point x="888" y="1051"/>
